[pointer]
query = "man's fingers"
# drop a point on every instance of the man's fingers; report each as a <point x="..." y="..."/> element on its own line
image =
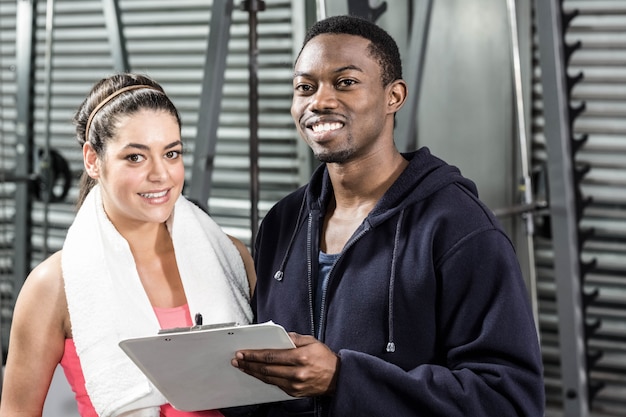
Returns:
<point x="270" y="356"/>
<point x="308" y="370"/>
<point x="284" y="377"/>
<point x="301" y="340"/>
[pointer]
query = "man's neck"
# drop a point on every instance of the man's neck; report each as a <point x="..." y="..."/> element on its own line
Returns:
<point x="357" y="188"/>
<point x="362" y="183"/>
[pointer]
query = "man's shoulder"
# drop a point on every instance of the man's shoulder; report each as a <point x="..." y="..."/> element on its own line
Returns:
<point x="292" y="201"/>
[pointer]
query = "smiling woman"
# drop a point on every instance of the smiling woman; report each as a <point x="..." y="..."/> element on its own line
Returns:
<point x="142" y="172"/>
<point x="138" y="257"/>
<point x="110" y="104"/>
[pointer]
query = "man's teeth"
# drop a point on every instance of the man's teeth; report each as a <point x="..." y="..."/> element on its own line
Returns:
<point x="325" y="127"/>
<point x="154" y="195"/>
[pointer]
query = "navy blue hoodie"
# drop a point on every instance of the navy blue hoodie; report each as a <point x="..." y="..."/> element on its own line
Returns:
<point x="426" y="306"/>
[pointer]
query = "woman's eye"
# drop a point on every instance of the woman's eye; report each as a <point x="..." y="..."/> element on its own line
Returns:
<point x="173" y="154"/>
<point x="135" y="157"/>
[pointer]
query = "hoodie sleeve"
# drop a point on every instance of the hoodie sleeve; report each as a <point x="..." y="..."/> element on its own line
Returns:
<point x="490" y="358"/>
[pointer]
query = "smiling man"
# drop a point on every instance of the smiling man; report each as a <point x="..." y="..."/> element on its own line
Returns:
<point x="402" y="292"/>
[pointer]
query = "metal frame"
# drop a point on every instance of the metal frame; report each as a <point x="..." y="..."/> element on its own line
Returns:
<point x="563" y="208"/>
<point x="253" y="7"/>
<point x="522" y="140"/>
<point x="210" y="105"/>
<point x="406" y="130"/>
<point x="25" y="39"/>
<point x="43" y="165"/>
<point x="210" y="102"/>
<point x="113" y="21"/>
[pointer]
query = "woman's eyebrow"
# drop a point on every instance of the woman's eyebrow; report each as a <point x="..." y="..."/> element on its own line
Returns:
<point x="147" y="148"/>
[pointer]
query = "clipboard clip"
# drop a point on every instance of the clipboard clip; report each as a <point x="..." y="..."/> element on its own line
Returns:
<point x="197" y="326"/>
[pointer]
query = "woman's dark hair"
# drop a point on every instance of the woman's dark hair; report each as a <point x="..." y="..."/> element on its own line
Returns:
<point x="382" y="47"/>
<point x="110" y="101"/>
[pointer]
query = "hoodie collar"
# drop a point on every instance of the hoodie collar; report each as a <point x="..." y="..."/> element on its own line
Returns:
<point x="424" y="175"/>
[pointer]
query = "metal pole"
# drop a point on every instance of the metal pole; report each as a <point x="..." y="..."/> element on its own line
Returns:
<point x="406" y="136"/>
<point x="321" y="9"/>
<point x="563" y="209"/>
<point x="526" y="186"/>
<point x="210" y="102"/>
<point x="45" y="163"/>
<point x="25" y="39"/>
<point x="253" y="6"/>
<point x="117" y="39"/>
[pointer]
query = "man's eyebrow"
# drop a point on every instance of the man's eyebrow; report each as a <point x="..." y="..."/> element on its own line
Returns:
<point x="349" y="68"/>
<point x="336" y="71"/>
<point x="147" y="148"/>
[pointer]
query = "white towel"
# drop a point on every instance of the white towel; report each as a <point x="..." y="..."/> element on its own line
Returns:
<point x="107" y="302"/>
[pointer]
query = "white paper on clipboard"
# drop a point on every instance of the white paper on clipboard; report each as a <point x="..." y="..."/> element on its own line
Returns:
<point x="192" y="367"/>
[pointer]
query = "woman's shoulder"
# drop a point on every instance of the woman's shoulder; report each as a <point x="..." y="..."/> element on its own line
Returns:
<point x="248" y="262"/>
<point x="43" y="292"/>
<point x="48" y="272"/>
<point x="45" y="282"/>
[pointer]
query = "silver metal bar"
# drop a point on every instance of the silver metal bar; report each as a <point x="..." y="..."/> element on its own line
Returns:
<point x="210" y="102"/>
<point x="522" y="138"/>
<point x="254" y="6"/>
<point x="44" y="163"/>
<point x="25" y="39"/>
<point x="406" y="129"/>
<point x="117" y="39"/>
<point x="321" y="9"/>
<point x="563" y="209"/>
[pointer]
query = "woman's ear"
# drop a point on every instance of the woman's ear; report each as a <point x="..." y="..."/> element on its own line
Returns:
<point x="90" y="160"/>
<point x="397" y="93"/>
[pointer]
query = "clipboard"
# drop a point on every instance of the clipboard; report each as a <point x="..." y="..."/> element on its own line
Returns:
<point x="191" y="366"/>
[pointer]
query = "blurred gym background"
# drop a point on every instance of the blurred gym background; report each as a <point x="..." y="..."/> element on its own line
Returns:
<point x="527" y="97"/>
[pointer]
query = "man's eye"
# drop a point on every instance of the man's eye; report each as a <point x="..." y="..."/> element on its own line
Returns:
<point x="304" y="88"/>
<point x="346" y="83"/>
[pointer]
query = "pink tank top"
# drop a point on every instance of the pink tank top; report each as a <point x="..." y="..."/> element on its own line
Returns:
<point x="168" y="318"/>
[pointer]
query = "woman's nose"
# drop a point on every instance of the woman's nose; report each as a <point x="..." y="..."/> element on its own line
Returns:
<point x="158" y="171"/>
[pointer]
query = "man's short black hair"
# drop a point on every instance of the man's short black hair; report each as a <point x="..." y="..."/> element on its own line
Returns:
<point x="382" y="47"/>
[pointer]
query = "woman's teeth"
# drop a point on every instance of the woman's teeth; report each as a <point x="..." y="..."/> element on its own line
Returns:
<point x="154" y="195"/>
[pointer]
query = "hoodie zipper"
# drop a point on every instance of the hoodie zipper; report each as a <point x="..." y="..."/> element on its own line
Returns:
<point x="309" y="261"/>
<point x="348" y="245"/>
<point x="317" y="406"/>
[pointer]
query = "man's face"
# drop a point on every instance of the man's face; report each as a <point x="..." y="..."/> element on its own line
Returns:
<point x="339" y="103"/>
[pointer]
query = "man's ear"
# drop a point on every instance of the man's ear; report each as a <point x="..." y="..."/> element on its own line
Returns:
<point x="397" y="93"/>
<point x="90" y="160"/>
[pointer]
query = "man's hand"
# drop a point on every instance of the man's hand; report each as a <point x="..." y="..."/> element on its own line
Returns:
<point x="306" y="371"/>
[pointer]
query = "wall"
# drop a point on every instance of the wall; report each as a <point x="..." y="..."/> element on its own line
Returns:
<point x="466" y="113"/>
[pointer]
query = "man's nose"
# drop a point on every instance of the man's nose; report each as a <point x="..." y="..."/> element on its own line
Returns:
<point x="324" y="98"/>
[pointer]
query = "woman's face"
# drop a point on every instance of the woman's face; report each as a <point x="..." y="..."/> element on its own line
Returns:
<point x="142" y="173"/>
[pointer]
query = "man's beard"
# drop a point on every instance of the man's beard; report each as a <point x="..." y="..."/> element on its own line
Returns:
<point x="334" y="157"/>
<point x="337" y="156"/>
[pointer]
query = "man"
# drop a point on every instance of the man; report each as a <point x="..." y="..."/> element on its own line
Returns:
<point x="404" y="294"/>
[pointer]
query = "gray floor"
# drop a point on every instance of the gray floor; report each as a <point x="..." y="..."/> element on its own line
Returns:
<point x="60" y="401"/>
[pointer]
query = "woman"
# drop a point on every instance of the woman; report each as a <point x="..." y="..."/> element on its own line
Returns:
<point x="138" y="257"/>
